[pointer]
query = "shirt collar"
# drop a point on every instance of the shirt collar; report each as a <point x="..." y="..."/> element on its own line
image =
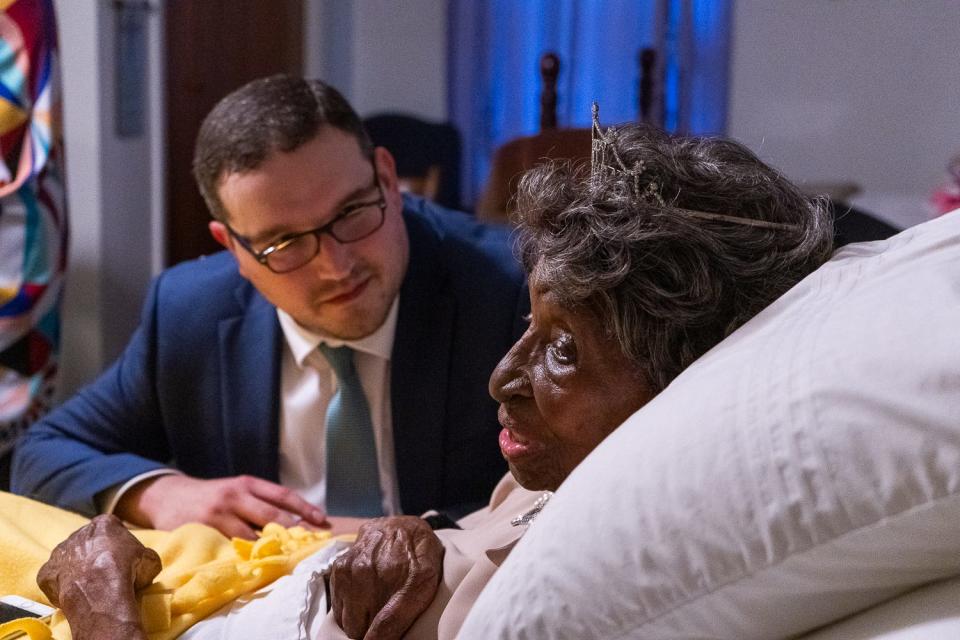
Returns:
<point x="304" y="342"/>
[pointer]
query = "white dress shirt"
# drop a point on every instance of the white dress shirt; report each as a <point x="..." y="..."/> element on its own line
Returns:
<point x="307" y="385"/>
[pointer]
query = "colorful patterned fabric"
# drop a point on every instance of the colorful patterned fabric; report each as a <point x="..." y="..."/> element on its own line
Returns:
<point x="33" y="225"/>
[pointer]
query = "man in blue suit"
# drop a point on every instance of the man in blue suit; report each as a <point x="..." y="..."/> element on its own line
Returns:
<point x="222" y="407"/>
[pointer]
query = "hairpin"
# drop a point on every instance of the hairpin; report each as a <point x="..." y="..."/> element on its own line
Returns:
<point x="602" y="167"/>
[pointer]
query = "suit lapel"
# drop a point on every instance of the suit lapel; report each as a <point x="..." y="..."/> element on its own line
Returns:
<point x="250" y="387"/>
<point x="419" y="370"/>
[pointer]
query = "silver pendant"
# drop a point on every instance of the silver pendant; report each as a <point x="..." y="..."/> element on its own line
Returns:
<point x="526" y="518"/>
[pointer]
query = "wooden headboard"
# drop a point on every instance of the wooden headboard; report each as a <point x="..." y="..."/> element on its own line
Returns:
<point x="520" y="154"/>
<point x="649" y="94"/>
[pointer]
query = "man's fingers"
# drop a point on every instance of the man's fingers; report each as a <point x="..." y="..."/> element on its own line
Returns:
<point x="345" y="524"/>
<point x="233" y="526"/>
<point x="287" y="500"/>
<point x="170" y="501"/>
<point x="235" y="506"/>
<point x="258" y="513"/>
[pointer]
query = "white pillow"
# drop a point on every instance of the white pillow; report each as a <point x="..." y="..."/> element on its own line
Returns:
<point x="932" y="611"/>
<point x="805" y="468"/>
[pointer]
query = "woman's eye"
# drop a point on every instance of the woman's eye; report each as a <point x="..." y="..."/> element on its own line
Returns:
<point x="563" y="350"/>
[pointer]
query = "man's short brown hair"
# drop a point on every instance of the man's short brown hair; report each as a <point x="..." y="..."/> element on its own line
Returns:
<point x="276" y="113"/>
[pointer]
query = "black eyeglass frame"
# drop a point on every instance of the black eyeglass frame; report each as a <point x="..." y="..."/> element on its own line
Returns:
<point x="263" y="256"/>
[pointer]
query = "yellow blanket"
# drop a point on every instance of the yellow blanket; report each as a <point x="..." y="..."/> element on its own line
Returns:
<point x="202" y="570"/>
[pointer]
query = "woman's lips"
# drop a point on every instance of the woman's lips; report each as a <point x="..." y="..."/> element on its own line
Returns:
<point x="513" y="445"/>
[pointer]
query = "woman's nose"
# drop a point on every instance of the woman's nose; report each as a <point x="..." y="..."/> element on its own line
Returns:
<point x="510" y="378"/>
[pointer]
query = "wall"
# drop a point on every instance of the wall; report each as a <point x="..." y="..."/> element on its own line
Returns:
<point x="82" y="346"/>
<point x="114" y="190"/>
<point x="861" y="90"/>
<point x="381" y="54"/>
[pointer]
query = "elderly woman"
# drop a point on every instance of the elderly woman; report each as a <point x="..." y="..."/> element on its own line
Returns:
<point x="638" y="264"/>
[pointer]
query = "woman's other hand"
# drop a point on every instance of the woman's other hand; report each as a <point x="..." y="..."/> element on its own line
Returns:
<point x="93" y="577"/>
<point x="387" y="578"/>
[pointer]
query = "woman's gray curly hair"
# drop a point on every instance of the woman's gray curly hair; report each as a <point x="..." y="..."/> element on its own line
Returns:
<point x="669" y="285"/>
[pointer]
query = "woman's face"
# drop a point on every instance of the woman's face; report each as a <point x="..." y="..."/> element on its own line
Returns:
<point x="562" y="388"/>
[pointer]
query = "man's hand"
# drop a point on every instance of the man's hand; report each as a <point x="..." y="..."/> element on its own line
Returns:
<point x="387" y="578"/>
<point x="340" y="525"/>
<point x="93" y="576"/>
<point x="234" y="506"/>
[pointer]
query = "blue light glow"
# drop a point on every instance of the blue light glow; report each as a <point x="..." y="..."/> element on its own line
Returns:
<point x="494" y="77"/>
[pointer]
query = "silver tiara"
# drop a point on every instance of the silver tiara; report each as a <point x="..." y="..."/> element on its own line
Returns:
<point x="605" y="162"/>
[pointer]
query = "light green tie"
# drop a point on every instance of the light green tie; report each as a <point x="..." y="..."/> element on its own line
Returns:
<point x="353" y="477"/>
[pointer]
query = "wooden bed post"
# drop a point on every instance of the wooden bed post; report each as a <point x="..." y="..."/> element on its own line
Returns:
<point x="549" y="70"/>
<point x="648" y="109"/>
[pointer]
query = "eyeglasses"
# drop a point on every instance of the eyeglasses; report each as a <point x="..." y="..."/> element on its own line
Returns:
<point x="355" y="222"/>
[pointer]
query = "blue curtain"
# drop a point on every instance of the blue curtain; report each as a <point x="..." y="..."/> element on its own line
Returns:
<point x="495" y="46"/>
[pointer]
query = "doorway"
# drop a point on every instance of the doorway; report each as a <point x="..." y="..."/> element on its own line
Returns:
<point x="214" y="47"/>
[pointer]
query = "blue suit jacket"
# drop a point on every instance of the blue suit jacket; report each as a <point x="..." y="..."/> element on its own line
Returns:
<point x="198" y="385"/>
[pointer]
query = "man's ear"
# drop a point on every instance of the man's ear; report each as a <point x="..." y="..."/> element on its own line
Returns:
<point x="386" y="170"/>
<point x="219" y="232"/>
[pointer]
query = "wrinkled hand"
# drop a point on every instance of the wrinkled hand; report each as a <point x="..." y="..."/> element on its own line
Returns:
<point x="93" y="576"/>
<point x="234" y="506"/>
<point x="387" y="578"/>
